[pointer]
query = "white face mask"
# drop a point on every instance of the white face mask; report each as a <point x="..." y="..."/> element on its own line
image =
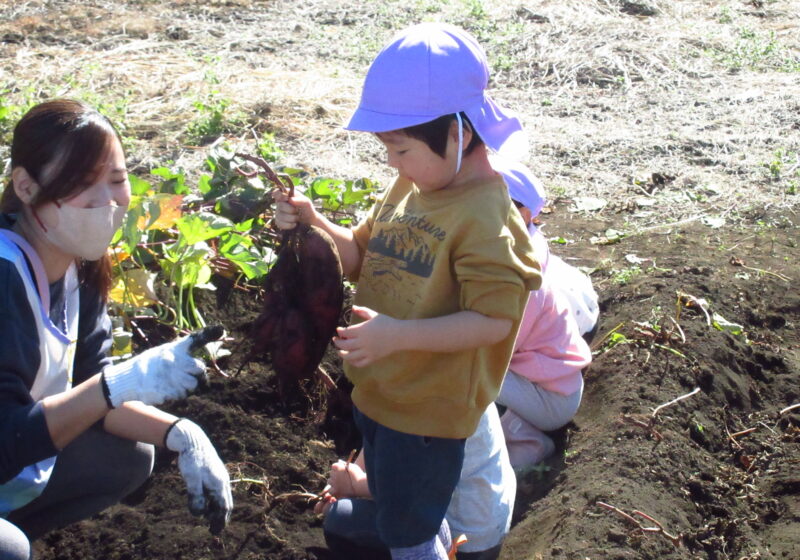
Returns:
<point x="84" y="232"/>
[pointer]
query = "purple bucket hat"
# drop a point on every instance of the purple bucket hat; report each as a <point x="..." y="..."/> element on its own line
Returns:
<point x="523" y="186"/>
<point x="430" y="70"/>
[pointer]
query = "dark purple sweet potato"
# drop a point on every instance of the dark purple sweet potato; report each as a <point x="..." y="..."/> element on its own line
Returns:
<point x="303" y="298"/>
<point x="266" y="325"/>
<point x="321" y="280"/>
<point x="302" y="304"/>
<point x="291" y="351"/>
<point x="313" y="286"/>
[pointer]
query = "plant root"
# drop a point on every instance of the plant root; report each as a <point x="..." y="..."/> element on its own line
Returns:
<point x="658" y="529"/>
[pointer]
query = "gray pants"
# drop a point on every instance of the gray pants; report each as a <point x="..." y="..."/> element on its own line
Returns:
<point x="14" y="545"/>
<point x="92" y="473"/>
<point x="543" y="409"/>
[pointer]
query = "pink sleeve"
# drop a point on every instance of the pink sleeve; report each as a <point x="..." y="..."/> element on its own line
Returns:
<point x="549" y="350"/>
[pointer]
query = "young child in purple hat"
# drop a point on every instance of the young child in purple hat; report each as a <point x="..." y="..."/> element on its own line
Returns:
<point x="541" y="391"/>
<point x="544" y="384"/>
<point x="443" y="266"/>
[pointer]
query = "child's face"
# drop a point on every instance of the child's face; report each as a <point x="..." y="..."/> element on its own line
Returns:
<point x="415" y="161"/>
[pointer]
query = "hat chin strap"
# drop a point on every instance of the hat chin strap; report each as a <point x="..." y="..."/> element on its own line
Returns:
<point x="460" y="141"/>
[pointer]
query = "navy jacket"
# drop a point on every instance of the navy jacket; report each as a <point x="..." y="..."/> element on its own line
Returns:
<point x="24" y="438"/>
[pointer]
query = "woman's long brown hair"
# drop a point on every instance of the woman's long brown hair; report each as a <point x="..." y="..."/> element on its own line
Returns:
<point x="61" y="143"/>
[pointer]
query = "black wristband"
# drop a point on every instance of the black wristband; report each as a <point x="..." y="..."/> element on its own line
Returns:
<point x="106" y="392"/>
<point x="166" y="434"/>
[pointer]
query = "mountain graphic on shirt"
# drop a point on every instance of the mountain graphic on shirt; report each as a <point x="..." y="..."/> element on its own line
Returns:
<point x="402" y="244"/>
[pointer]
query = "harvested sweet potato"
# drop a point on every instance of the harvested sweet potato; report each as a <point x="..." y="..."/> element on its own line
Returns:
<point x="303" y="298"/>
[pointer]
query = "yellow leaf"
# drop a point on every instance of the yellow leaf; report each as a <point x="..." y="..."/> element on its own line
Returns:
<point x="170" y="212"/>
<point x="134" y="287"/>
<point x="118" y="255"/>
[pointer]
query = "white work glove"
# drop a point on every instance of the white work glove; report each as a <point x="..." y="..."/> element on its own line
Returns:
<point x="207" y="480"/>
<point x="161" y="373"/>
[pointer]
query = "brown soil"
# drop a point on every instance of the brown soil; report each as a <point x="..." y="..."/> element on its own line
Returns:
<point x="684" y="128"/>
<point x="720" y="494"/>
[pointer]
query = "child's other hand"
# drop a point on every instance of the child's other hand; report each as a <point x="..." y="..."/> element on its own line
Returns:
<point x="347" y="480"/>
<point x="364" y="343"/>
<point x="292" y="211"/>
<point x="326" y="501"/>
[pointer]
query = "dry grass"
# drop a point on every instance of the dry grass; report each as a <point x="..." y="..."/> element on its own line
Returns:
<point x="647" y="111"/>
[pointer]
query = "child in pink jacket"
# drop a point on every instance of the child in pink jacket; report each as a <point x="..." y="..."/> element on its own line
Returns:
<point x="542" y="389"/>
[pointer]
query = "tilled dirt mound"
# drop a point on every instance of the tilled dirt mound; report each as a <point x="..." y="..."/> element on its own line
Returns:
<point x="717" y="470"/>
<point x="663" y="110"/>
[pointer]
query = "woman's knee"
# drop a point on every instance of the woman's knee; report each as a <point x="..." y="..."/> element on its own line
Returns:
<point x="124" y="467"/>
<point x="141" y="458"/>
<point x="111" y="464"/>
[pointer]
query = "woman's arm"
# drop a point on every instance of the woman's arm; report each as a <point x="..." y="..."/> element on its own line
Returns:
<point x="72" y="412"/>
<point x="158" y="374"/>
<point x="139" y="422"/>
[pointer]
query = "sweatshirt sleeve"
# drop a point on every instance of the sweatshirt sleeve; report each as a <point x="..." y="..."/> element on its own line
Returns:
<point x="24" y="438"/>
<point x="495" y="264"/>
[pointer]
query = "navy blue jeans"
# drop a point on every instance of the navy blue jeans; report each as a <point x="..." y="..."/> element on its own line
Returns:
<point x="411" y="479"/>
<point x="351" y="534"/>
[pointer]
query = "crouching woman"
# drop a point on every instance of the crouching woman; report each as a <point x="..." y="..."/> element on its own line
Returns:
<point x="76" y="432"/>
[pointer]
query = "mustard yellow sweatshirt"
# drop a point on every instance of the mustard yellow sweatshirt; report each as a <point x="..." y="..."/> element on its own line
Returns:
<point x="433" y="254"/>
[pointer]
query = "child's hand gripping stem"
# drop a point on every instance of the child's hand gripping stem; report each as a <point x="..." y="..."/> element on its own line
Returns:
<point x="291" y="210"/>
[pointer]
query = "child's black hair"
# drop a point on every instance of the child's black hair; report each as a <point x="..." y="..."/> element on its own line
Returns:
<point x="434" y="133"/>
